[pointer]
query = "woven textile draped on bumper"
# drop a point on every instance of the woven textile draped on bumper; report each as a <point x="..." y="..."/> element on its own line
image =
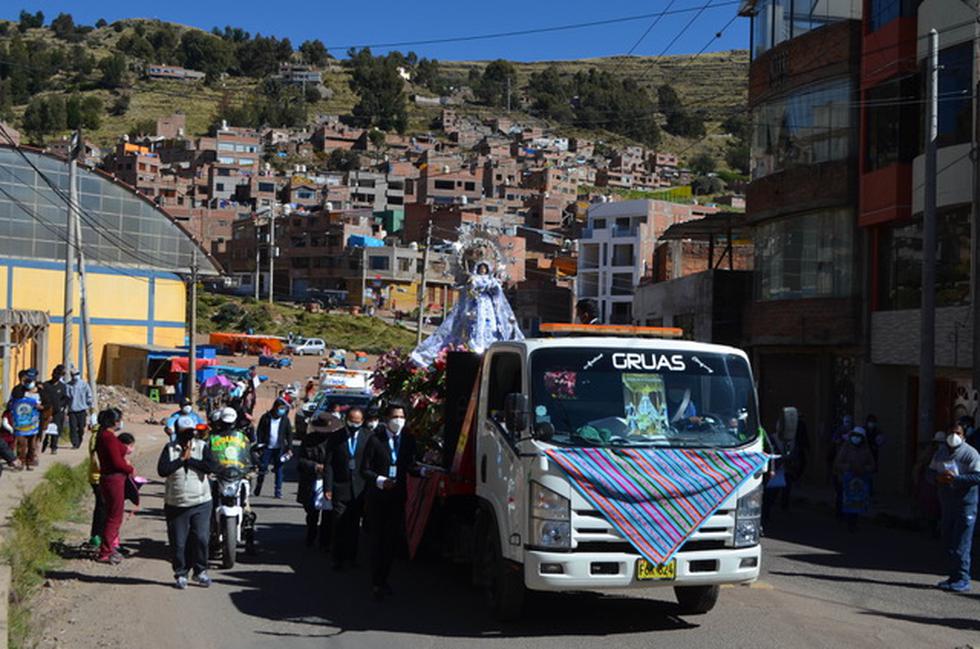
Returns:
<point x="656" y="498"/>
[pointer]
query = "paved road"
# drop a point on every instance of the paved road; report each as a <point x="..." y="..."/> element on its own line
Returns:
<point x="823" y="587"/>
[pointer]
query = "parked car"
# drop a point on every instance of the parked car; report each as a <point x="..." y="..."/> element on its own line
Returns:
<point x="304" y="346"/>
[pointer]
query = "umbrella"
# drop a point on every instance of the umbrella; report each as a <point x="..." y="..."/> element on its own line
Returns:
<point x="218" y="380"/>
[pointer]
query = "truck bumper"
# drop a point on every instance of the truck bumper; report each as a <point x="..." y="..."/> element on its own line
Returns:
<point x="600" y="571"/>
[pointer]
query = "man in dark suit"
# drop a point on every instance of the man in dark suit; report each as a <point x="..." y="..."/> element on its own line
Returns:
<point x="275" y="436"/>
<point x="314" y="458"/>
<point x="346" y="484"/>
<point x="388" y="460"/>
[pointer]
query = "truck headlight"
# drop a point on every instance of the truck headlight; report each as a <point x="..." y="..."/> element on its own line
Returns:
<point x="550" y="519"/>
<point x="747" y="519"/>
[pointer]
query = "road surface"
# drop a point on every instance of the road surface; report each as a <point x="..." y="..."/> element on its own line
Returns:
<point x="822" y="587"/>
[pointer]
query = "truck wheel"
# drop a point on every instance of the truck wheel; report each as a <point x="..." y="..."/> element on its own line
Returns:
<point x="696" y="600"/>
<point x="229" y="545"/>
<point x="505" y="582"/>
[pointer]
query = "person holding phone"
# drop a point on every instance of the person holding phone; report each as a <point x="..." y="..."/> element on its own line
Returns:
<point x="957" y="468"/>
<point x="389" y="457"/>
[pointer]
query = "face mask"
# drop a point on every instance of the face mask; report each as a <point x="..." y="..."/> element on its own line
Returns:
<point x="31" y="385"/>
<point x="372" y="424"/>
<point x="856" y="440"/>
<point x="186" y="410"/>
<point x="953" y="440"/>
<point x="351" y="426"/>
<point x="281" y="412"/>
<point x="396" y="424"/>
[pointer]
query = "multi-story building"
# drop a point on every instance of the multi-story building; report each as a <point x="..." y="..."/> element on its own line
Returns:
<point x="441" y="184"/>
<point x="616" y="250"/>
<point x="804" y="323"/>
<point x="174" y="72"/>
<point x="376" y="190"/>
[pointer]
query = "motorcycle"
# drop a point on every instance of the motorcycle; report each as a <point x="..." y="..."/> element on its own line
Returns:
<point x="234" y="521"/>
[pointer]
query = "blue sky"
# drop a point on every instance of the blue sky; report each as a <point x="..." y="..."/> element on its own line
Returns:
<point x="384" y="21"/>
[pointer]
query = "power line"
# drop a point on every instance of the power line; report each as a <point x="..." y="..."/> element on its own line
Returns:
<point x="655" y="22"/>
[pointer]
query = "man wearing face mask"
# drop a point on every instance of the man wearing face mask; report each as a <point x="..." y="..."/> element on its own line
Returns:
<point x="957" y="467"/>
<point x="25" y="410"/>
<point x="186" y="410"/>
<point x="372" y="419"/>
<point x="54" y="400"/>
<point x="314" y="456"/>
<point x="346" y="484"/>
<point x="388" y="460"/>
<point x="275" y="436"/>
<point x="80" y="404"/>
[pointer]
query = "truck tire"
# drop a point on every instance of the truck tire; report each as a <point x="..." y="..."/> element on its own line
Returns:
<point x="229" y="541"/>
<point x="505" y="582"/>
<point x="696" y="600"/>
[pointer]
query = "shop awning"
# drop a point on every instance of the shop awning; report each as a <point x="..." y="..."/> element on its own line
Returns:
<point x="179" y="365"/>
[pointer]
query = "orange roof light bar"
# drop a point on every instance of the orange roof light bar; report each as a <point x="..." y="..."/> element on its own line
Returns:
<point x="610" y="330"/>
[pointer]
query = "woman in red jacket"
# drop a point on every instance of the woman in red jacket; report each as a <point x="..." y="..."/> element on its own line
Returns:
<point x="114" y="468"/>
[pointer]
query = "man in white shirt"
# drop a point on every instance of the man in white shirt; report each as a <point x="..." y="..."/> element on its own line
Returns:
<point x="275" y="437"/>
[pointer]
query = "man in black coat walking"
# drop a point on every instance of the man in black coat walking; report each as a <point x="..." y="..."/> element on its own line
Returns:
<point x="388" y="460"/>
<point x="314" y="458"/>
<point x="346" y="484"/>
<point x="274" y="435"/>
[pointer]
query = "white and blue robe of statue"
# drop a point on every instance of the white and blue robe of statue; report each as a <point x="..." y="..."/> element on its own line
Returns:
<point x="481" y="316"/>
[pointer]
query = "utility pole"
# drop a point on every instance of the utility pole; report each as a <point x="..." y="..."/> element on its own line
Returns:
<point x="927" y="351"/>
<point x="975" y="256"/>
<point x="272" y="252"/>
<point x="364" y="265"/>
<point x="192" y="352"/>
<point x="421" y="296"/>
<point x="73" y="242"/>
<point x="257" y="258"/>
<point x="86" y="331"/>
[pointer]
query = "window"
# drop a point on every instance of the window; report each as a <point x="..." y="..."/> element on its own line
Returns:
<point x="622" y="284"/>
<point x="621" y="313"/>
<point x="955" y="94"/>
<point x="900" y="262"/>
<point x="267" y="187"/>
<point x="882" y="12"/>
<point x="444" y="184"/>
<point x="809" y="126"/>
<point x="892" y="123"/>
<point x="599" y="224"/>
<point x="218" y="187"/>
<point x="776" y="21"/>
<point x="622" y="255"/>
<point x="404" y="264"/>
<point x="805" y="256"/>
<point x="379" y="263"/>
<point x="505" y="378"/>
<point x="470" y="186"/>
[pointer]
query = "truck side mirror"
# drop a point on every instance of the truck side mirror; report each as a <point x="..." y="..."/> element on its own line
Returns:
<point x="517" y="415"/>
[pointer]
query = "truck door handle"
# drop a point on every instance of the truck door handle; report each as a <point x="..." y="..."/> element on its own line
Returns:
<point x="483" y="469"/>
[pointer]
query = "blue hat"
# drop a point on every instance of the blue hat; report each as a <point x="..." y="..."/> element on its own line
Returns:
<point x="31" y="373"/>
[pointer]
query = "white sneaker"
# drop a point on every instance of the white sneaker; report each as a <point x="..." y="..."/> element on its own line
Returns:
<point x="203" y="580"/>
<point x="180" y="583"/>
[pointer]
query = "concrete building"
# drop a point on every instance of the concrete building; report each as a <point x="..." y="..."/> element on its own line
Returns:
<point x="376" y="190"/>
<point x="173" y="72"/>
<point x="616" y="251"/>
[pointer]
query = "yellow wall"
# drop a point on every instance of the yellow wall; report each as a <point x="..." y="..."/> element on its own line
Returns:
<point x="119" y="307"/>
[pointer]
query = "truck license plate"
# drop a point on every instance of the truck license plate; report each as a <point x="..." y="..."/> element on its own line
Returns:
<point x="646" y="571"/>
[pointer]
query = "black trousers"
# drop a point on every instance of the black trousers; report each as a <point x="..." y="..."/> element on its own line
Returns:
<point x="98" y="513"/>
<point x="76" y="426"/>
<point x="347" y="528"/>
<point x="318" y="523"/>
<point x="386" y="533"/>
<point x="58" y="419"/>
<point x="188" y="529"/>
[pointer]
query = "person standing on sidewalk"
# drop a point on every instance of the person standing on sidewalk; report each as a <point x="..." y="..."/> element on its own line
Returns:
<point x="186" y="464"/>
<point x="25" y="412"/>
<point x="114" y="469"/>
<point x="957" y="467"/>
<point x="54" y="396"/>
<point x="275" y="436"/>
<point x="94" y="478"/>
<point x="80" y="404"/>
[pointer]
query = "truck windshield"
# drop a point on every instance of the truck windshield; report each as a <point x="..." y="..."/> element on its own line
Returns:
<point x="643" y="397"/>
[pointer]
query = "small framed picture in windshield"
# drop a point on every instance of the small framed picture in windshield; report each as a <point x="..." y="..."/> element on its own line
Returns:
<point x="560" y="384"/>
<point x="645" y="404"/>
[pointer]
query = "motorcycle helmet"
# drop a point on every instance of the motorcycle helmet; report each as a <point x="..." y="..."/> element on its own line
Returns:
<point x="228" y="415"/>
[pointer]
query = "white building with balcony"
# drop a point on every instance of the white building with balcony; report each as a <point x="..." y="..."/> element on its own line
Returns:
<point x="616" y="251"/>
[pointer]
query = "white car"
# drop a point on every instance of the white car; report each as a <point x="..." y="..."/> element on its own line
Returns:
<point x="305" y="346"/>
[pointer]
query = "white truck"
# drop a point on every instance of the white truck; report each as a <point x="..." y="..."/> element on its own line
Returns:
<point x="510" y="509"/>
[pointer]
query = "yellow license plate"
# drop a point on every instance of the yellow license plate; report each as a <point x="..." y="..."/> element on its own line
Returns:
<point x="646" y="571"/>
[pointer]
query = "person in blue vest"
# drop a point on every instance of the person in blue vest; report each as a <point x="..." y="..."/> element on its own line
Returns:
<point x="25" y="413"/>
<point x="957" y="467"/>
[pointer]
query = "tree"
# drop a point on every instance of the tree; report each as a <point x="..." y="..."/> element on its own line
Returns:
<point x="703" y="164"/>
<point x="707" y="185"/>
<point x="314" y="52"/>
<point x="549" y="95"/>
<point x="341" y="160"/>
<point x="428" y="75"/>
<point x="380" y="89"/>
<point x="63" y="27"/>
<point x="100" y="23"/>
<point x="84" y="112"/>
<point x="136" y="46"/>
<point x="205" y="52"/>
<point x="737" y="125"/>
<point x="667" y="100"/>
<point x="45" y="115"/>
<point x="685" y="124"/>
<point x="498" y="80"/>
<point x="120" y="106"/>
<point x="377" y="138"/>
<point x="113" y="70"/>
<point x="737" y="156"/>
<point x="30" y="21"/>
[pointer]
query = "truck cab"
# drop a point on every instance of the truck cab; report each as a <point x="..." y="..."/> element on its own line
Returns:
<point x="534" y="530"/>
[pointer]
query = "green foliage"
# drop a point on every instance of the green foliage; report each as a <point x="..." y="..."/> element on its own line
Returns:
<point x="314" y="52"/>
<point x="30" y="21"/>
<point x="706" y="185"/>
<point x="380" y="89"/>
<point x="113" y="69"/>
<point x="27" y="548"/>
<point x="595" y="100"/>
<point x="341" y="160"/>
<point x="120" y="105"/>
<point x="205" y="52"/>
<point x="63" y="27"/>
<point x="737" y="156"/>
<point x="278" y="105"/>
<point x="83" y="112"/>
<point x="45" y="115"/>
<point x="737" y="125"/>
<point x="429" y="75"/>
<point x="491" y="87"/>
<point x="377" y="138"/>
<point x="703" y="164"/>
<point x="142" y="128"/>
<point x="680" y="121"/>
<point x="100" y="23"/>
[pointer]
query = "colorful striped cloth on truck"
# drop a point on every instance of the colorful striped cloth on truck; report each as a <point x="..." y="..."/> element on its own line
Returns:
<point x="656" y="498"/>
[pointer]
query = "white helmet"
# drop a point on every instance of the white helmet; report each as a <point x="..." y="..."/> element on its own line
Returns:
<point x="229" y="415"/>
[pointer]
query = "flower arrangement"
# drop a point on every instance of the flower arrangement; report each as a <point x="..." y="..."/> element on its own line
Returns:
<point x="422" y="390"/>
